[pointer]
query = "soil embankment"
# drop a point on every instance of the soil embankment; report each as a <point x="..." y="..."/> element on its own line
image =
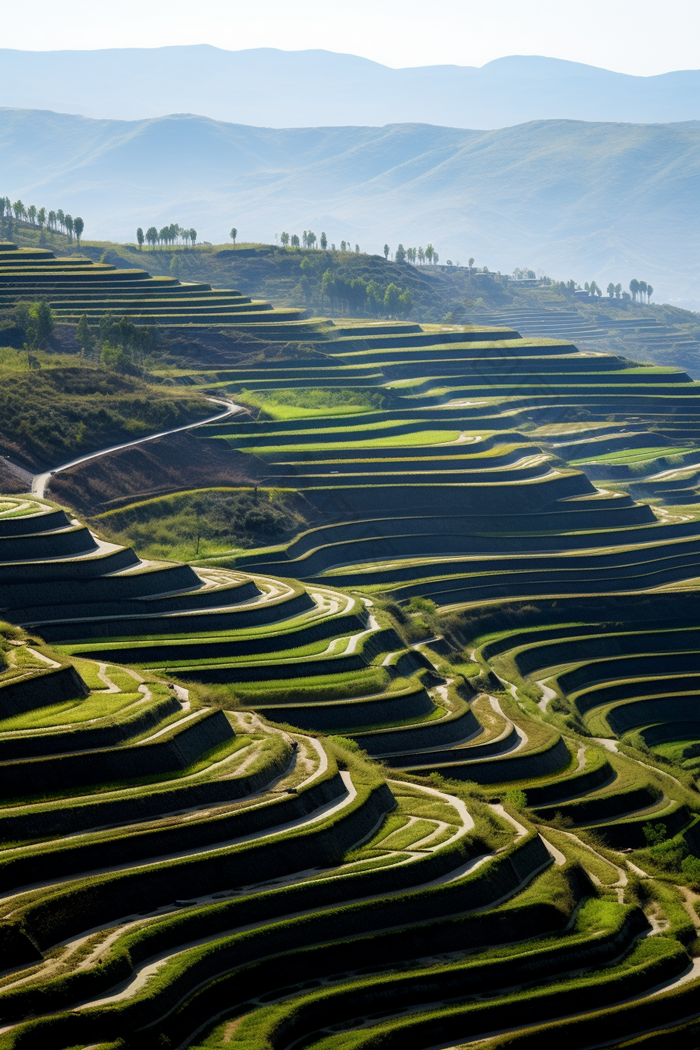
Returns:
<point x="167" y="464"/>
<point x="13" y="478"/>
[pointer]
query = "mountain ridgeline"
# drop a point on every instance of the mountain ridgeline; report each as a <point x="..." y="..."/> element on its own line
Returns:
<point x="216" y="83"/>
<point x="573" y="199"/>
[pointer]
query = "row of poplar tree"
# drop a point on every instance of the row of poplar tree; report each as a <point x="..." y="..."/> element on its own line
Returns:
<point x="39" y="217"/>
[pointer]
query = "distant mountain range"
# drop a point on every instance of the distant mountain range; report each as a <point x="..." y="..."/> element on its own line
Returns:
<point x="603" y="201"/>
<point x="271" y="88"/>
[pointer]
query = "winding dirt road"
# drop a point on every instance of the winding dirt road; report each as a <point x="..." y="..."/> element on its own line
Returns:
<point x="40" y="481"/>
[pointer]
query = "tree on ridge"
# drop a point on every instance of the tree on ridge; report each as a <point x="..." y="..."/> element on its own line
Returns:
<point x="139" y="238"/>
<point x="386" y="251"/>
<point x="233" y="235"/>
<point x="78" y="226"/>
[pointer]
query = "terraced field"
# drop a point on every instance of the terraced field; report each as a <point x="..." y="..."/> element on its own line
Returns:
<point x="423" y="776"/>
<point x="75" y="286"/>
<point x="190" y="854"/>
<point x="476" y="482"/>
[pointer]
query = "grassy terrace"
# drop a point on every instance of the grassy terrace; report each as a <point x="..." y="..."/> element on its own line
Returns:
<point x="75" y="287"/>
<point x="423" y="772"/>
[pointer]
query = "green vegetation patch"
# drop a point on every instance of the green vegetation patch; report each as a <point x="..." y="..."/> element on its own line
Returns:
<point x="298" y="403"/>
<point x="71" y="711"/>
<point x="203" y="522"/>
<point x="633" y="455"/>
<point x="54" y="414"/>
<point x="418" y="437"/>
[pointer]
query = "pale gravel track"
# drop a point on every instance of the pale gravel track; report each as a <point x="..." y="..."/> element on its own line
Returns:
<point x="40" y="481"/>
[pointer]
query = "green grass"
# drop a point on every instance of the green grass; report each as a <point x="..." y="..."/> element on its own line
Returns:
<point x="397" y="833"/>
<point x="196" y="524"/>
<point x="53" y="414"/>
<point x="201" y="523"/>
<point x="299" y="403"/>
<point x="634" y="455"/>
<point x="587" y="857"/>
<point x="88" y="672"/>
<point x="131" y="787"/>
<point x="417" y="438"/>
<point x="70" y="712"/>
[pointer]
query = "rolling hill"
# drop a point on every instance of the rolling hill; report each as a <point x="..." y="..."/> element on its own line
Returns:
<point x="574" y="199"/>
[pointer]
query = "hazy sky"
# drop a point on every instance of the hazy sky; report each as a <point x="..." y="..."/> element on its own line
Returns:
<point x="631" y="36"/>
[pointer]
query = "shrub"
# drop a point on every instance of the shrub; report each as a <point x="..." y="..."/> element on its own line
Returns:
<point x="119" y="359"/>
<point x="691" y="869"/>
<point x="516" y="798"/>
<point x="654" y="833"/>
<point x="394" y="609"/>
<point x="41" y="412"/>
<point x="36" y="320"/>
<point x="343" y="741"/>
<point x="417" y="629"/>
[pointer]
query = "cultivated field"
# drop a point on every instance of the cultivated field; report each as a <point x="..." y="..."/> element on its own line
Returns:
<point x="423" y="774"/>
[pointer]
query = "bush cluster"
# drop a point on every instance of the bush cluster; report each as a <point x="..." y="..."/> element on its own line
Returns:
<point x="358" y="296"/>
<point x="119" y="345"/>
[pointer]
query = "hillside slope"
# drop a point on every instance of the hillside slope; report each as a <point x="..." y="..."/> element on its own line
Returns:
<point x="657" y="332"/>
<point x="474" y="554"/>
<point x="613" y="198"/>
<point x="215" y="866"/>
